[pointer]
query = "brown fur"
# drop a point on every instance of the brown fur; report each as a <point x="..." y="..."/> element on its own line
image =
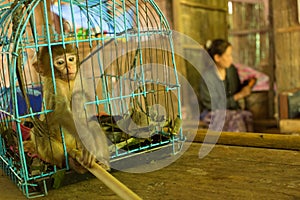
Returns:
<point x="48" y="144"/>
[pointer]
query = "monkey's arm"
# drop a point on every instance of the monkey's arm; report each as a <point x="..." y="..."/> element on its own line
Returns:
<point x="63" y="116"/>
<point x="91" y="142"/>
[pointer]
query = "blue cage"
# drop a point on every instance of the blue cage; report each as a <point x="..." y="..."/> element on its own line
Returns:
<point x="127" y="68"/>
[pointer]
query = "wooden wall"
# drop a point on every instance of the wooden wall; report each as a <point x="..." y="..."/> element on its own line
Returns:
<point x="271" y="23"/>
<point x="287" y="40"/>
<point x="249" y="27"/>
<point x="200" y="20"/>
<point x="250" y="33"/>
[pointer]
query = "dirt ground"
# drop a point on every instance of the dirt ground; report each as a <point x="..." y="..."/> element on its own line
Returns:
<point x="227" y="172"/>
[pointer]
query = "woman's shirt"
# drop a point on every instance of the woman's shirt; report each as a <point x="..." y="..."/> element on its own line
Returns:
<point x="231" y="85"/>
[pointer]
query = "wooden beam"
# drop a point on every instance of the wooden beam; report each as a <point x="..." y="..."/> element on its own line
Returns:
<point x="261" y="140"/>
<point x="249" y="31"/>
<point x="272" y="59"/>
<point x="176" y="17"/>
<point x="289" y="125"/>
<point x="247" y="1"/>
<point x="192" y="47"/>
<point x="298" y="6"/>
<point x="288" y="29"/>
<point x="204" y="6"/>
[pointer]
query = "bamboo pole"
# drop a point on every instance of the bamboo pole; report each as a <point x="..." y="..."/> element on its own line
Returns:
<point x="111" y="182"/>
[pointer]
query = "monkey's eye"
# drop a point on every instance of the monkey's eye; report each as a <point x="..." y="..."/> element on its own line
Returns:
<point x="71" y="58"/>
<point x="60" y="61"/>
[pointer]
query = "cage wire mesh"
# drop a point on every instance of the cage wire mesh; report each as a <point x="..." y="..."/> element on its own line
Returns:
<point x="127" y="75"/>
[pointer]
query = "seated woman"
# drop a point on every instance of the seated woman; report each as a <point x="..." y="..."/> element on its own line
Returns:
<point x="236" y="119"/>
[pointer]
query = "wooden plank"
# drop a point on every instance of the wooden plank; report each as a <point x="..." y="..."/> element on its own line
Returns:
<point x="289" y="125"/>
<point x="283" y="106"/>
<point x="227" y="172"/>
<point x="262" y="140"/>
<point x="287" y="36"/>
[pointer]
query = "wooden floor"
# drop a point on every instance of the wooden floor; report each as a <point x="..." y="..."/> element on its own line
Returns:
<point x="227" y="172"/>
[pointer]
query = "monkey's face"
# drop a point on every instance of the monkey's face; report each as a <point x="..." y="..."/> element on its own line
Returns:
<point x="66" y="66"/>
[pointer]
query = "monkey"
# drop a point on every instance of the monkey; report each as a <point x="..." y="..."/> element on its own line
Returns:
<point x="47" y="144"/>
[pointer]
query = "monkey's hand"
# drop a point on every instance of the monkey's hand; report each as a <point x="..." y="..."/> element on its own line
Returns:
<point x="84" y="156"/>
<point x="87" y="158"/>
<point x="94" y="144"/>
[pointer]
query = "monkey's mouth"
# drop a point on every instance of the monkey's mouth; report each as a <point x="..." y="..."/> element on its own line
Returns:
<point x="69" y="76"/>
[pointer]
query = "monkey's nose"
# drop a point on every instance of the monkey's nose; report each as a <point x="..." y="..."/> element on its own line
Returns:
<point x="71" y="70"/>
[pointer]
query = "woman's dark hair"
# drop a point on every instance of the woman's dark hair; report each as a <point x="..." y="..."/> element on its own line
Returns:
<point x="217" y="46"/>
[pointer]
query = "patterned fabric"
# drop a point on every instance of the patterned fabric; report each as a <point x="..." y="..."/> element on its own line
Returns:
<point x="235" y="120"/>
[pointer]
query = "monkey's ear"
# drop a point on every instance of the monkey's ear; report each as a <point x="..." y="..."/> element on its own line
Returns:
<point x="38" y="68"/>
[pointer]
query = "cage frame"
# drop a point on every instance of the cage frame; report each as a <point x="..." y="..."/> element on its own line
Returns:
<point x="20" y="176"/>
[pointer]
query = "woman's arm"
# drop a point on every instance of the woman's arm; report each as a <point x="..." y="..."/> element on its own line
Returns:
<point x="244" y="92"/>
